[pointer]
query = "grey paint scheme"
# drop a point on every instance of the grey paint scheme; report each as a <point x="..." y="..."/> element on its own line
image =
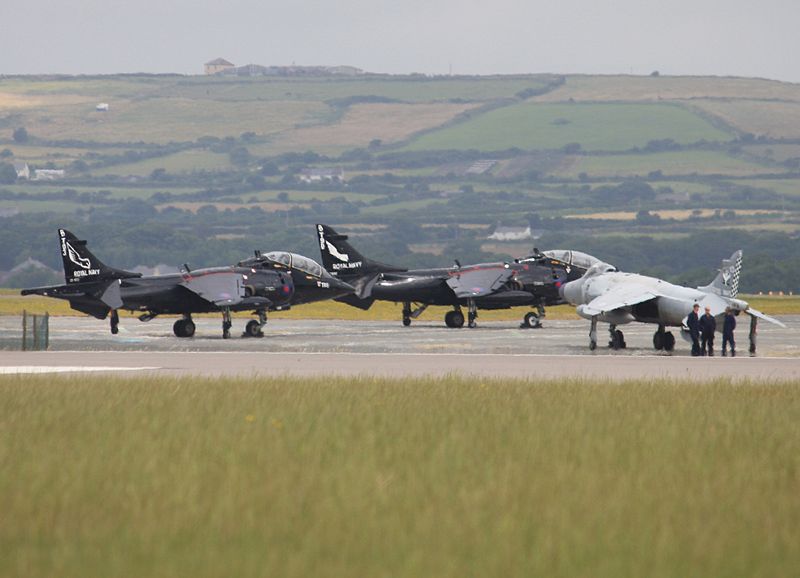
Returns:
<point x="611" y="296"/>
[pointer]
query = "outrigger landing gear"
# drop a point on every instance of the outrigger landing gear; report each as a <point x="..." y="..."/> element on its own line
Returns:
<point x="617" y="338"/>
<point x="408" y="314"/>
<point x="184" y="327"/>
<point x="114" y="322"/>
<point x="226" y="323"/>
<point x="593" y="334"/>
<point x="753" y="331"/>
<point x="533" y="320"/>
<point x="454" y="319"/>
<point x="256" y="328"/>
<point x="663" y="340"/>
<point x="472" y="313"/>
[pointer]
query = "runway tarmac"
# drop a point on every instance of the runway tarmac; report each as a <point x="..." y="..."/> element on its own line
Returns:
<point x="312" y="347"/>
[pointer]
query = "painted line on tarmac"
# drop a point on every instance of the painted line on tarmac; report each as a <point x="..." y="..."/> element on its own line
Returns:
<point x="28" y="369"/>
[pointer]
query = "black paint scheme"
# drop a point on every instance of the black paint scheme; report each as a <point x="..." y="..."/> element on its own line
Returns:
<point x="533" y="281"/>
<point x="259" y="284"/>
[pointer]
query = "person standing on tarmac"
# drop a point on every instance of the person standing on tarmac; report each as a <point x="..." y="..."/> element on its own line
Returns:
<point x="727" y="332"/>
<point x="708" y="325"/>
<point x="693" y="323"/>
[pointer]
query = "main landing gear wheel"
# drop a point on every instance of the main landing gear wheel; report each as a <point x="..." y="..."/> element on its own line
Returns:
<point x="253" y="329"/>
<point x="183" y="328"/>
<point x="663" y="340"/>
<point x="114" y="322"/>
<point x="454" y="319"/>
<point x="406" y="320"/>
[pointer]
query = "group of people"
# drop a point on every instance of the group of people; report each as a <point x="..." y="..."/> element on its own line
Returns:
<point x="702" y="329"/>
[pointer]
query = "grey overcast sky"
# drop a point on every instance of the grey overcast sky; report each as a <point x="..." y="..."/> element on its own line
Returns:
<point x="717" y="37"/>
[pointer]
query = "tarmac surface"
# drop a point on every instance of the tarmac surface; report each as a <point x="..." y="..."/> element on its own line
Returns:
<point x="350" y="348"/>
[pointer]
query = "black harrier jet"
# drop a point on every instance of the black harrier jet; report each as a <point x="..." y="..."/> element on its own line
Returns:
<point x="533" y="281"/>
<point x="260" y="284"/>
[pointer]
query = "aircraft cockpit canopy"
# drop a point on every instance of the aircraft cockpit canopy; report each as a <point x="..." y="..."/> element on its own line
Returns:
<point x="582" y="260"/>
<point x="297" y="262"/>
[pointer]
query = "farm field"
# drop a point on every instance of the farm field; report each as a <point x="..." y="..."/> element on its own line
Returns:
<point x="167" y="120"/>
<point x="361" y="124"/>
<point x="689" y="162"/>
<point x="416" y="477"/>
<point x="611" y="88"/>
<point x="307" y="196"/>
<point x="405" y="88"/>
<point x="114" y="192"/>
<point x="770" y="119"/>
<point x="609" y="127"/>
<point x="788" y="187"/>
<point x="677" y="214"/>
<point x="182" y="162"/>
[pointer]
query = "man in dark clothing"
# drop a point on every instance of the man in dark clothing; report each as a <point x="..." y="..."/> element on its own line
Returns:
<point x="708" y="325"/>
<point x="693" y="323"/>
<point x="727" y="332"/>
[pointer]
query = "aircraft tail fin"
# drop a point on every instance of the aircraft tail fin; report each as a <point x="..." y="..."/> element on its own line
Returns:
<point x="726" y="283"/>
<point x="341" y="258"/>
<point x="81" y="266"/>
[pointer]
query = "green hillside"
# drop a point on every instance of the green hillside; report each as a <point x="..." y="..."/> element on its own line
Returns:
<point x="434" y="161"/>
<point x="601" y="127"/>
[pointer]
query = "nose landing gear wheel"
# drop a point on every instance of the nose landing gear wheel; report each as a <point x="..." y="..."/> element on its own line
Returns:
<point x="253" y="329"/>
<point x="617" y="340"/>
<point x="406" y="320"/>
<point x="531" y="320"/>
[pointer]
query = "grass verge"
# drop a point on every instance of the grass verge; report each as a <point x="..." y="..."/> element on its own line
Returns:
<point x="107" y="476"/>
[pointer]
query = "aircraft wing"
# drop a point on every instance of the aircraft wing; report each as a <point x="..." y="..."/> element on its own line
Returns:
<point x="619" y="297"/>
<point x="479" y="282"/>
<point x="221" y="289"/>
<point x="756" y="313"/>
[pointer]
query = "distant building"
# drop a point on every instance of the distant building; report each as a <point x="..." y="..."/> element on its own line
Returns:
<point x="23" y="170"/>
<point x="344" y="70"/>
<point x="511" y="234"/>
<point x="293" y="70"/>
<point x="102" y="107"/>
<point x="218" y="65"/>
<point x="249" y="70"/>
<point x="48" y="174"/>
<point x="480" y="167"/>
<point x="316" y="175"/>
